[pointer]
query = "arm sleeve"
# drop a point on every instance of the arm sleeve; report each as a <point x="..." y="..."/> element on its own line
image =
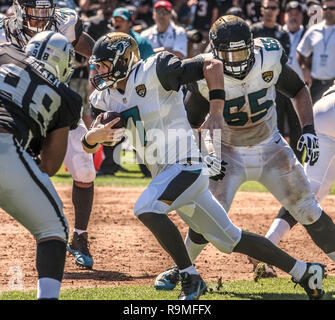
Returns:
<point x="289" y="82"/>
<point x="197" y="108"/>
<point x="173" y="72"/>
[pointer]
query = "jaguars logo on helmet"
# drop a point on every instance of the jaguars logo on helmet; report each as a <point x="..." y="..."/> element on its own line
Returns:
<point x="232" y="43"/>
<point x="121" y="51"/>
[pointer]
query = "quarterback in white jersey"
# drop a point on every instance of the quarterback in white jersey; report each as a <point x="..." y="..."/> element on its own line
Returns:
<point x="31" y="17"/>
<point x="147" y="95"/>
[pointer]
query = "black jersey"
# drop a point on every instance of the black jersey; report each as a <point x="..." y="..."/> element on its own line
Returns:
<point x="33" y="102"/>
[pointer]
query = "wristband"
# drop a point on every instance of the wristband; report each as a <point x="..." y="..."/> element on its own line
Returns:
<point x="86" y="144"/>
<point x="309" y="128"/>
<point x="217" y="94"/>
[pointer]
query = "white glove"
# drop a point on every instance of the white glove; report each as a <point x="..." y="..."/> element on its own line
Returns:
<point x="310" y="142"/>
<point x="216" y="167"/>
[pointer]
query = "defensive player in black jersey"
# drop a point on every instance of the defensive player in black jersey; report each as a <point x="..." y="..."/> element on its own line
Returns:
<point x="31" y="17"/>
<point x="37" y="110"/>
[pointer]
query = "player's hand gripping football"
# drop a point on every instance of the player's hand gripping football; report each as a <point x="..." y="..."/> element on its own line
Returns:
<point x="216" y="167"/>
<point x="104" y="133"/>
<point x="309" y="143"/>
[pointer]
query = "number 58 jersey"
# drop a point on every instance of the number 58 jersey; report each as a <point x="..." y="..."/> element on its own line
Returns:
<point x="32" y="101"/>
<point x="250" y="109"/>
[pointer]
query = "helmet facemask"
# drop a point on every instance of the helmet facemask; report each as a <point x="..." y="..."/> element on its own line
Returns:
<point x="34" y="15"/>
<point x="237" y="60"/>
<point x="232" y="43"/>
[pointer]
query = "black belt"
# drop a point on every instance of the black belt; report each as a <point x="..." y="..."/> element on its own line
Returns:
<point x="324" y="82"/>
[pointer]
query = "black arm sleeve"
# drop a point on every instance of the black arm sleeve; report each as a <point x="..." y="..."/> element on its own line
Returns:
<point x="289" y="82"/>
<point x="173" y="72"/>
<point x="79" y="28"/>
<point x="196" y="106"/>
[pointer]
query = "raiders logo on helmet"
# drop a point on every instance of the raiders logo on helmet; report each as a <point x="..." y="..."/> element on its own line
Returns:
<point x="141" y="90"/>
<point x="267" y="76"/>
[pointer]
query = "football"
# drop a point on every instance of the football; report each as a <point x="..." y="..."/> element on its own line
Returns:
<point x="108" y="116"/>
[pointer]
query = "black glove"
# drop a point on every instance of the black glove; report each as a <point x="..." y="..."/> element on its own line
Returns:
<point x="216" y="167"/>
<point x="310" y="142"/>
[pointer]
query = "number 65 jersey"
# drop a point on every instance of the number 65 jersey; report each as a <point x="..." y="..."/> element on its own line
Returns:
<point x="250" y="109"/>
<point x="32" y="101"/>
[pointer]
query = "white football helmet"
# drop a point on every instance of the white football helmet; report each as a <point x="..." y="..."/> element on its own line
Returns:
<point x="54" y="52"/>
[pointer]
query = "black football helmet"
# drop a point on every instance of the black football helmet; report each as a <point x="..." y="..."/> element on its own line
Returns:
<point x="121" y="50"/>
<point x="34" y="15"/>
<point x="232" y="43"/>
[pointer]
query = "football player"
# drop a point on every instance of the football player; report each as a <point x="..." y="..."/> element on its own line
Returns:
<point x="37" y="110"/>
<point x="31" y="17"/>
<point x="251" y="143"/>
<point x="147" y="94"/>
<point x="322" y="174"/>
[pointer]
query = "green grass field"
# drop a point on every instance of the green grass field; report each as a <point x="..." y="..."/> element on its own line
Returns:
<point x="134" y="178"/>
<point x="265" y="289"/>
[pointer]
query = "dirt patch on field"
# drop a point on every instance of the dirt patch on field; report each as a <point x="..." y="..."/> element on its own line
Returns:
<point x="125" y="252"/>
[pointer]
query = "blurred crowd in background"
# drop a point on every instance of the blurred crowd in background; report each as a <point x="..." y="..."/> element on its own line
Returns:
<point x="182" y="27"/>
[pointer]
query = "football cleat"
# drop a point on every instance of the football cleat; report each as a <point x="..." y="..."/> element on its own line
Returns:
<point x="311" y="281"/>
<point x="192" y="286"/>
<point x="79" y="248"/>
<point x="168" y="279"/>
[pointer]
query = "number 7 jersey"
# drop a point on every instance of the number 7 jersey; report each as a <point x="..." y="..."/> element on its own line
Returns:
<point x="250" y="108"/>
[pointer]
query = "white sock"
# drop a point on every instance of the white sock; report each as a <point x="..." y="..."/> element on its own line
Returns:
<point x="331" y="255"/>
<point x="298" y="270"/>
<point x="277" y="230"/>
<point x="193" y="249"/>
<point x="189" y="270"/>
<point x="48" y="288"/>
<point x="79" y="231"/>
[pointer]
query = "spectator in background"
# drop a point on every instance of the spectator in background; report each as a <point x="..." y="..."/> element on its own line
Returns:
<point x="98" y="25"/>
<point x="316" y="52"/>
<point x="165" y="34"/>
<point x="202" y="14"/>
<point x="269" y="27"/>
<point x="293" y="18"/>
<point x="252" y="10"/>
<point x="143" y="11"/>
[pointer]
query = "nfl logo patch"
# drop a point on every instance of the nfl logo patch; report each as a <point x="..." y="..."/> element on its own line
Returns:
<point x="267" y="76"/>
<point x="141" y="90"/>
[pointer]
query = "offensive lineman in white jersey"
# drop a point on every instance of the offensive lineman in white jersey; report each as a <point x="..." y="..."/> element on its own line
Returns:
<point x="31" y="17"/>
<point x="148" y="97"/>
<point x="322" y="174"/>
<point x="251" y="143"/>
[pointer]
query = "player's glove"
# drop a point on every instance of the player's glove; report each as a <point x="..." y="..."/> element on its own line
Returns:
<point x="310" y="142"/>
<point x="216" y="167"/>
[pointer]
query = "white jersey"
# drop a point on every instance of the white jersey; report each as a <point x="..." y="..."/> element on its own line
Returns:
<point x="67" y="22"/>
<point x="250" y="110"/>
<point x="324" y="114"/>
<point x="156" y="118"/>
